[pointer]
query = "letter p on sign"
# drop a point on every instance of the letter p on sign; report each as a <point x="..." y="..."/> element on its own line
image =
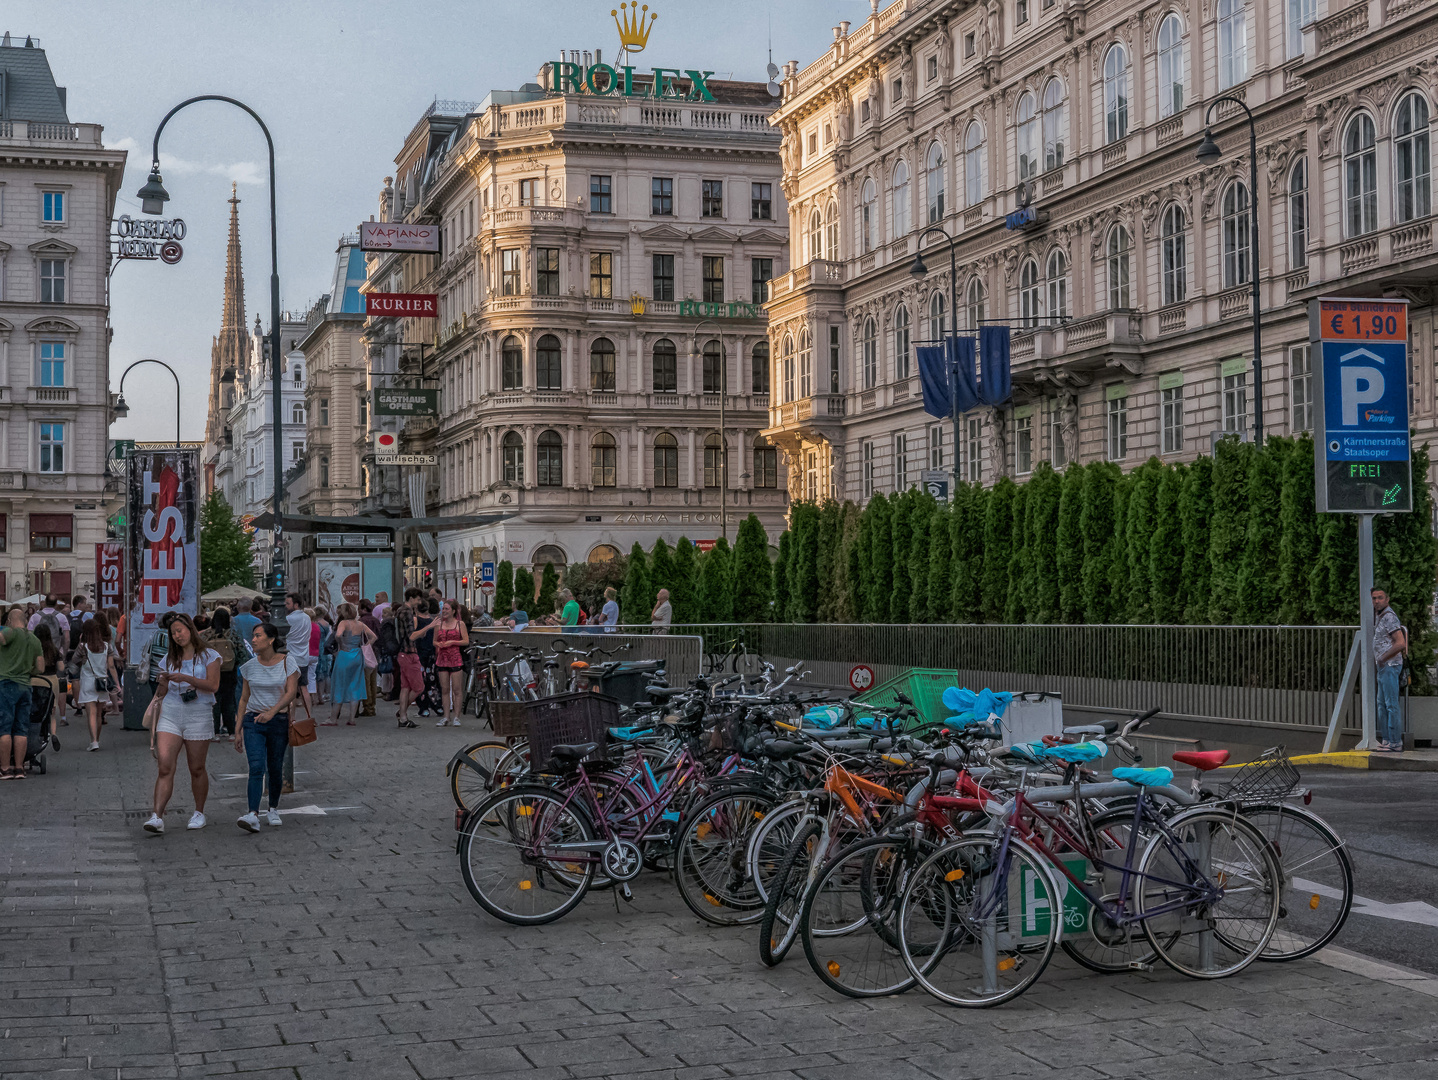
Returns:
<point x="1361" y="386"/>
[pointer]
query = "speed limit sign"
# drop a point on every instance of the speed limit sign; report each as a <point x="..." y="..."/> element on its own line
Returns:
<point x="861" y="677"/>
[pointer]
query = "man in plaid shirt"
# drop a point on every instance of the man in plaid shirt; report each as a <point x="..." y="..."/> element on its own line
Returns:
<point x="411" y="675"/>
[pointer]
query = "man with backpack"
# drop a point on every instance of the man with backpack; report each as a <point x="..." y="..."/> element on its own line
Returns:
<point x="1390" y="645"/>
<point x="52" y="619"/>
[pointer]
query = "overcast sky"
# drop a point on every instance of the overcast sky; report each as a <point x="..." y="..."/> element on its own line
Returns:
<point x="340" y="83"/>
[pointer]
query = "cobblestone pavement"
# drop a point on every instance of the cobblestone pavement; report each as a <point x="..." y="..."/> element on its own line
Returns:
<point x="346" y="946"/>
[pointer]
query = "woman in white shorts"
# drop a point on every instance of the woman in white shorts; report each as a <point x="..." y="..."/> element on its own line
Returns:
<point x="185" y="673"/>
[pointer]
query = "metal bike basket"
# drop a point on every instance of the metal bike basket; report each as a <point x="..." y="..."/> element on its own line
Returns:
<point x="577" y="717"/>
<point x="509" y="719"/>
<point x="1271" y="776"/>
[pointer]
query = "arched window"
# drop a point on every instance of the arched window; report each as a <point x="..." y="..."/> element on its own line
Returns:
<point x="1235" y="236"/>
<point x="1058" y="270"/>
<point x="547" y="374"/>
<point x="1170" y="66"/>
<point x="1115" y="94"/>
<point x="1118" y="252"/>
<point x="977" y="305"/>
<point x="601" y="365"/>
<point x="297" y="414"/>
<point x="903" y="340"/>
<point x="816" y="235"/>
<point x="1028" y="125"/>
<point x="935" y="182"/>
<point x="1411" y="162"/>
<point x="831" y="230"/>
<point x="806" y="364"/>
<point x="1175" y="256"/>
<point x="666" y="460"/>
<point x="713" y="460"/>
<point x="603" y="553"/>
<point x="713" y="367"/>
<point x="936" y="315"/>
<point x="788" y="362"/>
<point x="1298" y="215"/>
<point x="511" y="364"/>
<point x="513" y="451"/>
<point x="759" y="368"/>
<point x="766" y="464"/>
<point x="871" y="354"/>
<point x="547" y="555"/>
<point x="550" y="452"/>
<point x="1030" y="294"/>
<point x="666" y="367"/>
<point x="866" y="216"/>
<point x="1232" y="42"/>
<point x="1360" y="177"/>
<point x="901" y="200"/>
<point x="603" y="461"/>
<point x="1054" y="125"/>
<point x="974" y="165"/>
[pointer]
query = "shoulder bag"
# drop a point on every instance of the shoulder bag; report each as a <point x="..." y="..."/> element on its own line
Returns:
<point x="302" y="732"/>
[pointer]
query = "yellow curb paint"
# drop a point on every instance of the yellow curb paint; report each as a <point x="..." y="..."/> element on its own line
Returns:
<point x="1343" y="759"/>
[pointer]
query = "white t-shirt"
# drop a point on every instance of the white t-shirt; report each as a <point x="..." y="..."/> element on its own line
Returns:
<point x="297" y="640"/>
<point x="611" y="616"/>
<point x="172" y="708"/>
<point x="267" y="684"/>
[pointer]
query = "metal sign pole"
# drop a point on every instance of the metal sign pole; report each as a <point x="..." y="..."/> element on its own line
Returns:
<point x="1369" y="683"/>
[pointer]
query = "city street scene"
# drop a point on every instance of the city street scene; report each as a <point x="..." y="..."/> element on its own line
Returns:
<point x="894" y="539"/>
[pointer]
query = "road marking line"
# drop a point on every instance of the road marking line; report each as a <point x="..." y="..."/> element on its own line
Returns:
<point x="1412" y="911"/>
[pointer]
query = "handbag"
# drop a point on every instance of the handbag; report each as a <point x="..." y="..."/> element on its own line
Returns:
<point x="367" y="652"/>
<point x="152" y="714"/>
<point x="302" y="732"/>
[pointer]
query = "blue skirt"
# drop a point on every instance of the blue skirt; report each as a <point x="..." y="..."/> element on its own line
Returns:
<point x="347" y="681"/>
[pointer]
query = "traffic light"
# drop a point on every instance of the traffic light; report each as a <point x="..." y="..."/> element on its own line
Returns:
<point x="429" y="579"/>
<point x="465" y="581"/>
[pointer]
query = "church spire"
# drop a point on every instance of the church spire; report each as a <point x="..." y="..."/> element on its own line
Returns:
<point x="233" y="316"/>
<point x="230" y="352"/>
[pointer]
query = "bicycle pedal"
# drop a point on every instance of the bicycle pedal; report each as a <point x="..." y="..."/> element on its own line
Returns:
<point x="625" y="892"/>
<point x="1139" y="965"/>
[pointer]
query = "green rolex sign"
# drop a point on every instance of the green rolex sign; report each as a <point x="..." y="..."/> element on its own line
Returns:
<point x="604" y="80"/>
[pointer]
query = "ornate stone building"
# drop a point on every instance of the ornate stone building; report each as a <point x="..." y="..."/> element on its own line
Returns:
<point x="1129" y="289"/>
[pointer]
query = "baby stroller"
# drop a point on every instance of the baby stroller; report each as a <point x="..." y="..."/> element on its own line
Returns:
<point x="42" y="730"/>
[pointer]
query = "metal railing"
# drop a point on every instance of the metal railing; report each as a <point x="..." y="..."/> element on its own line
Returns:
<point x="682" y="653"/>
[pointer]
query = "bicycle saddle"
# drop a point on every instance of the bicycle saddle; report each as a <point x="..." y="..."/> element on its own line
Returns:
<point x="1074" y="752"/>
<point x="1202" y="759"/>
<point x="1160" y="777"/>
<point x="782" y="749"/>
<point x="1103" y="727"/>
<point x="664" y="693"/>
<point x="571" y="752"/>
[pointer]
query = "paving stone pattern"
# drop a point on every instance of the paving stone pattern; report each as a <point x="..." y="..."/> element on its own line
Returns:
<point x="345" y="946"/>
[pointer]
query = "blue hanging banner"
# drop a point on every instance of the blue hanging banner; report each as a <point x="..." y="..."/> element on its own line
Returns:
<point x="966" y="390"/>
<point x="997" y="385"/>
<point x="934" y="380"/>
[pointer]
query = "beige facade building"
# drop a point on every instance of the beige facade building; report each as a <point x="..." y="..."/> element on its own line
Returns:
<point x="603" y="264"/>
<point x="1130" y="295"/>
<point x="57" y="195"/>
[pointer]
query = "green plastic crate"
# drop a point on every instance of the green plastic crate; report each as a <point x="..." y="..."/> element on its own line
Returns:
<point x="925" y="688"/>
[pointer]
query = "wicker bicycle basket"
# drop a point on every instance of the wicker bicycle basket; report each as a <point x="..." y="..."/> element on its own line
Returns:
<point x="1271" y="776"/>
<point x="509" y="719"/>
<point x="577" y="717"/>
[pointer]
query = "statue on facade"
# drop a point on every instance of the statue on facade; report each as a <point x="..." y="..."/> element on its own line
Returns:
<point x="946" y="53"/>
<point x="998" y="443"/>
<point x="874" y="97"/>
<point x="1069" y="424"/>
<point x="846" y="122"/>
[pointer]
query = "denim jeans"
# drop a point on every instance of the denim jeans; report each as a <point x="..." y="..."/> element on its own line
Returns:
<point x="14" y="710"/>
<point x="265" y="746"/>
<point x="1390" y="716"/>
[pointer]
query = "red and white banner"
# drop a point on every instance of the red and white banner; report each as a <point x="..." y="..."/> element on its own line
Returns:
<point x="402" y="305"/>
<point x="397" y="236"/>
<point x="163" y="519"/>
<point x="109" y="574"/>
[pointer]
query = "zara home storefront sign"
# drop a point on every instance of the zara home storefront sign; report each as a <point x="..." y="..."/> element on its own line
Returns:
<point x="605" y="80"/>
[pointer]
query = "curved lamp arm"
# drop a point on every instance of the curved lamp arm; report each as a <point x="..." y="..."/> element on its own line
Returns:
<point x="167" y="367"/>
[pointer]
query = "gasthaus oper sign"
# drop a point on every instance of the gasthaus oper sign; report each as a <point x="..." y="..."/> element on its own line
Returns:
<point x="1362" y="456"/>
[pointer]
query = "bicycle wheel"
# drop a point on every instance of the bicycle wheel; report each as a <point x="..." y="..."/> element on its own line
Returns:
<point x="513" y="862"/>
<point x="471" y="786"/>
<point x="1091" y="936"/>
<point x="787" y="888"/>
<point x="710" y="863"/>
<point x="769" y="845"/>
<point x="849" y="921"/>
<point x="1317" y="879"/>
<point x="1208" y="893"/>
<point x="977" y="929"/>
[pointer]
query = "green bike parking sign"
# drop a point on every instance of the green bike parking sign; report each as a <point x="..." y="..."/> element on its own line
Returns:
<point x="1036" y="901"/>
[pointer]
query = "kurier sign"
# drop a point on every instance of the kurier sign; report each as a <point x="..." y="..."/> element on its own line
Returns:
<point x="397" y="236"/>
<point x="402" y="305"/>
<point x="1360" y="395"/>
<point x="398" y="402"/>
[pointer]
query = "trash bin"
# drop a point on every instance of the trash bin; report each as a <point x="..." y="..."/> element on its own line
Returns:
<point x="625" y="683"/>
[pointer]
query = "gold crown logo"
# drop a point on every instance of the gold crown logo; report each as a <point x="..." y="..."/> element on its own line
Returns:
<point x="634" y="25"/>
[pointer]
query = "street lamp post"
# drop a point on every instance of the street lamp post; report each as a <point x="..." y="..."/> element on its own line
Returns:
<point x="122" y="410"/>
<point x="918" y="272"/>
<point x="1208" y="153"/>
<point x="723" y="434"/>
<point x="153" y="197"/>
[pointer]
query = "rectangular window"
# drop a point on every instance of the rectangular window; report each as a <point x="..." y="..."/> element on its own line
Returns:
<point x="713" y="279"/>
<point x="833" y="359"/>
<point x="766" y="467"/>
<point x="363" y="411"/>
<point x="546" y="271"/>
<point x="896" y="91"/>
<point x="867" y="456"/>
<point x="510" y="271"/>
<point x="1023" y="445"/>
<point x="601" y="274"/>
<point x="761" y="202"/>
<point x="664" y="277"/>
<point x="52" y="281"/>
<point x="526" y="192"/>
<point x="813" y="145"/>
<point x="52" y="363"/>
<point x="936" y="446"/>
<point x="324" y="412"/>
<point x="55" y="207"/>
<point x="52" y="448"/>
<point x="661" y="196"/>
<point x="297" y="451"/>
<point x="52" y="532"/>
<point x="600" y="197"/>
<point x="811" y="475"/>
<point x="763" y="273"/>
<point x="932" y="68"/>
<point x="713" y="201"/>
<point x="1021" y="12"/>
<point x="864" y="109"/>
<point x="1058" y="455"/>
<point x="969" y="46"/>
<point x="1235" y="402"/>
<point x="1117" y="428"/>
<point x="975" y="450"/>
<point x="1300" y="380"/>
<point x="1173" y="419"/>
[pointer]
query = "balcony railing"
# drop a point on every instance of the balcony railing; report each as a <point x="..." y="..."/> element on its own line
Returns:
<point x="1342" y="27"/>
<point x="50" y="393"/>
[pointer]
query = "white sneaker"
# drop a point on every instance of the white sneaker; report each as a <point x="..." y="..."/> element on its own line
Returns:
<point x="442" y="722"/>
<point x="94" y="746"/>
<point x="155" y="825"/>
<point x="249" y="822"/>
<point x="454" y="722"/>
<point x="197" y="821"/>
<point x="274" y="819"/>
